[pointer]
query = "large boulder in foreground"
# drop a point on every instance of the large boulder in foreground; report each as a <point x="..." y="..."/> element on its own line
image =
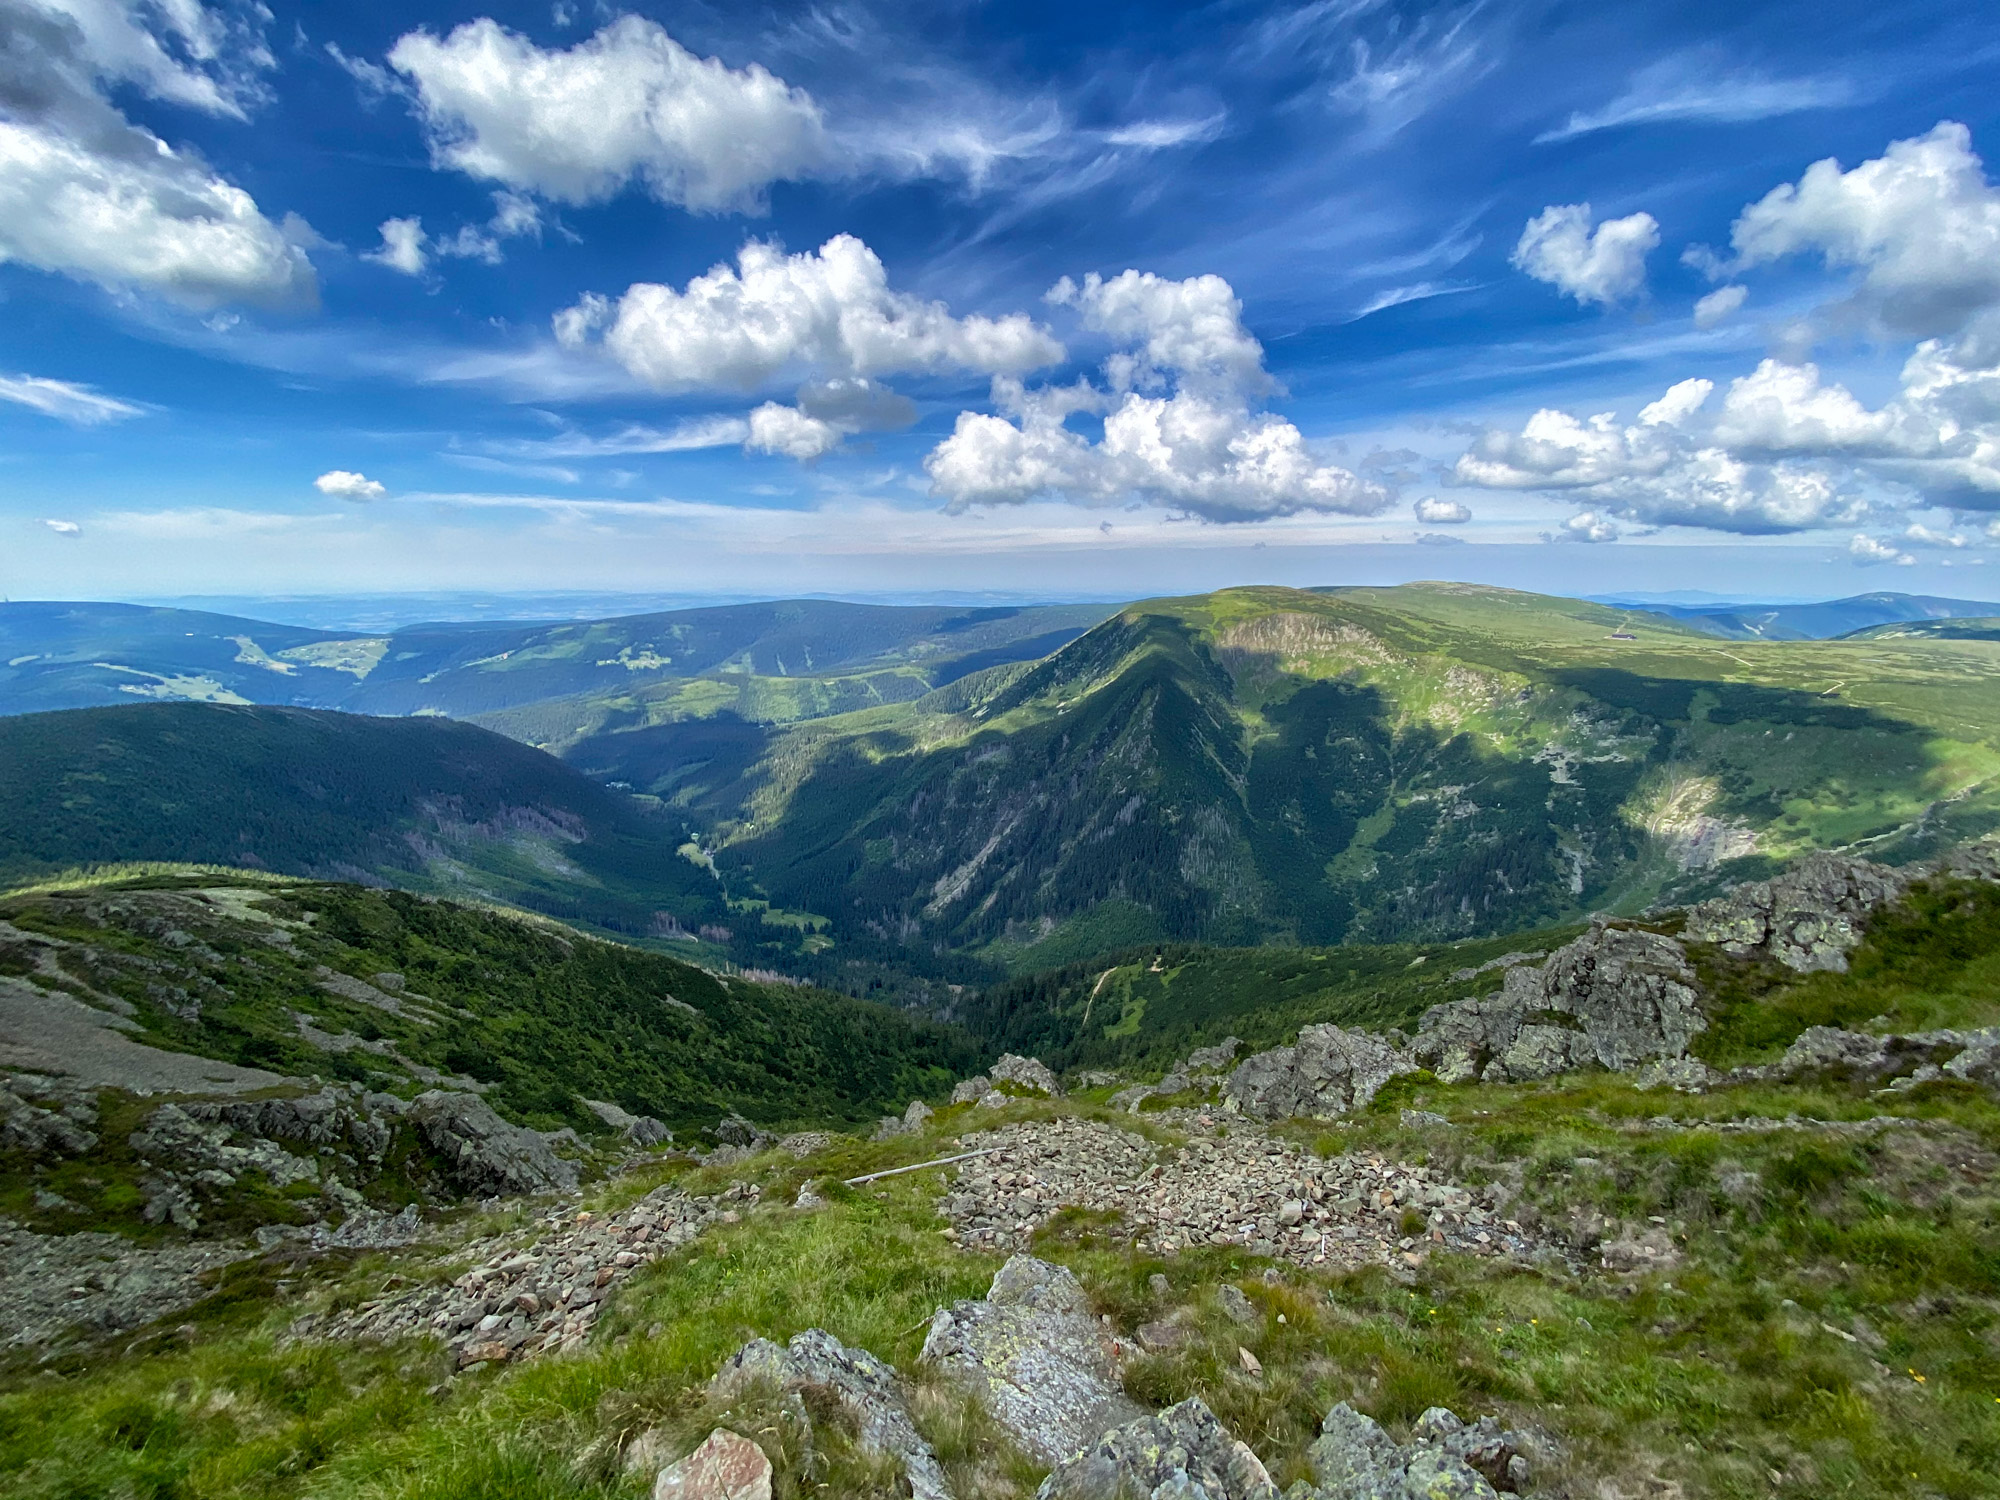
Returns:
<point x="1446" y="1459"/>
<point x="863" y="1387"/>
<point x="486" y="1156"/>
<point x="1182" y="1453"/>
<point x="1035" y="1357"/>
<point x="1328" y="1071"/>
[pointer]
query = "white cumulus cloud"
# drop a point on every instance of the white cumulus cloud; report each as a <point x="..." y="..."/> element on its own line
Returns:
<point x="65" y="401"/>
<point x="1605" y="265"/>
<point x="407" y="248"/>
<point x="402" y="247"/>
<point x="345" y="484"/>
<point x="790" y="432"/>
<point x="1202" y="447"/>
<point x="1868" y="551"/>
<point x="1435" y="512"/>
<point x="64" y="528"/>
<point x="87" y="194"/>
<point x="1719" y="306"/>
<point x="826" y="313"/>
<point x="1920" y="224"/>
<point x="1671" y="467"/>
<point x="629" y="104"/>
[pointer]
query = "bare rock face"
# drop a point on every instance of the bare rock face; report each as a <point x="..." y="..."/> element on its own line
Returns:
<point x="745" y="1135"/>
<point x="724" y="1467"/>
<point x="1616" y="997"/>
<point x="1029" y="1073"/>
<point x="864" y="1388"/>
<point x="1183" y="1453"/>
<point x="1328" y="1071"/>
<point x="1035" y="1357"/>
<point x="1808" y="918"/>
<point x="485" y="1155"/>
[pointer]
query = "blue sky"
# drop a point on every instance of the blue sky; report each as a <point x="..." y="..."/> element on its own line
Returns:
<point x="1088" y="299"/>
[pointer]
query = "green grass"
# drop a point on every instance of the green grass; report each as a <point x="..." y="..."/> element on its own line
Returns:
<point x="1718" y="1375"/>
<point x="1930" y="961"/>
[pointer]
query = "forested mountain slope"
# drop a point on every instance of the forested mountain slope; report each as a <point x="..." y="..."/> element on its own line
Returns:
<point x="424" y="803"/>
<point x="1427" y="762"/>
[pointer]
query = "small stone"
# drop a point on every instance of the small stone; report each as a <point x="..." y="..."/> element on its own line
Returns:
<point x="724" y="1467"/>
<point x="1235" y="1304"/>
<point x="1251" y="1364"/>
<point x="489" y="1350"/>
<point x="1161" y="1336"/>
<point x="1158" y="1285"/>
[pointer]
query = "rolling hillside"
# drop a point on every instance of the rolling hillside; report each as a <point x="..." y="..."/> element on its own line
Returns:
<point x="423" y="803"/>
<point x="1272" y="765"/>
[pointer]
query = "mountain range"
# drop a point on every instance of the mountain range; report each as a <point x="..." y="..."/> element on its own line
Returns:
<point x="1431" y="762"/>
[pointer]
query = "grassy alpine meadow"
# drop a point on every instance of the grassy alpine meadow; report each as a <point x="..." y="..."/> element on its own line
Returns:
<point x="1829" y="1324"/>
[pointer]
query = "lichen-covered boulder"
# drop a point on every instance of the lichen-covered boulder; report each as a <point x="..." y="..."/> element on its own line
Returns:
<point x="1035" y="1357"/>
<point x="1617" y="997"/>
<point x="1328" y="1071"/>
<point x="1029" y="1073"/>
<point x="864" y="1388"/>
<point x="1445" y="1459"/>
<point x="1807" y="918"/>
<point x="486" y="1156"/>
<point x="1182" y="1453"/>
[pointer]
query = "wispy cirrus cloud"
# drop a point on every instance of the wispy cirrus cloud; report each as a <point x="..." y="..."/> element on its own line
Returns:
<point x="1690" y="91"/>
<point x="79" y="405"/>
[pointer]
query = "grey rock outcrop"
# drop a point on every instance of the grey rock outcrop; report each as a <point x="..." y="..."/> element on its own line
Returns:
<point x="734" y="1130"/>
<point x="483" y="1153"/>
<point x="970" y="1090"/>
<point x="863" y="1386"/>
<point x="1182" y="1453"/>
<point x="1807" y="918"/>
<point x="331" y="1117"/>
<point x="1617" y="997"/>
<point x="1035" y="1357"/>
<point x="1213" y="1059"/>
<point x="46" y="1116"/>
<point x="1029" y="1073"/>
<point x="1445" y="1459"/>
<point x="912" y="1120"/>
<point x="640" y="1130"/>
<point x="1900" y="1061"/>
<point x="1328" y="1071"/>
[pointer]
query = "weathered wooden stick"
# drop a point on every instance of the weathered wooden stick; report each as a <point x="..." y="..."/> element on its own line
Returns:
<point x="942" y="1161"/>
